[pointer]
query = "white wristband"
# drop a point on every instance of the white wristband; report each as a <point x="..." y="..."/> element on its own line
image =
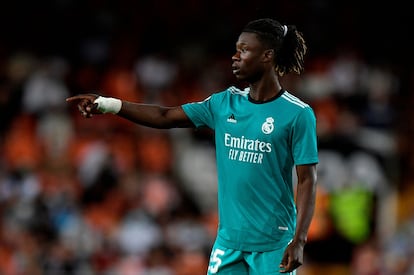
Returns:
<point x="108" y="104"/>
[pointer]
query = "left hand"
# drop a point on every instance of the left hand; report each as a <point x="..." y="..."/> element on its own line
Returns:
<point x="292" y="258"/>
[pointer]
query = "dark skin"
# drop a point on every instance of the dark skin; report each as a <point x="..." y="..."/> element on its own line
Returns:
<point x="254" y="64"/>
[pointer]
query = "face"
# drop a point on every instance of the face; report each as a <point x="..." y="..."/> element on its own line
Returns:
<point x="249" y="59"/>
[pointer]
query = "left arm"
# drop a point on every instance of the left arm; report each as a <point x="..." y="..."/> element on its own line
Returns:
<point x="305" y="204"/>
<point x="305" y="200"/>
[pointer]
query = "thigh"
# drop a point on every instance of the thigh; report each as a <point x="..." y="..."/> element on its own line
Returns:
<point x="226" y="261"/>
<point x="265" y="263"/>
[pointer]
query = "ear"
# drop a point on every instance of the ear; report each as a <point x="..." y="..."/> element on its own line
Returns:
<point x="268" y="55"/>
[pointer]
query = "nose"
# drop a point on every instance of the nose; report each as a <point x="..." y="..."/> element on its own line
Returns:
<point x="236" y="56"/>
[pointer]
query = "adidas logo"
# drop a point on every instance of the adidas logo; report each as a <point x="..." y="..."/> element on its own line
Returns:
<point x="231" y="119"/>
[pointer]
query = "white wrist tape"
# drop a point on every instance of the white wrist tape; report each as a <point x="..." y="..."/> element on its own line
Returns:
<point x="108" y="104"/>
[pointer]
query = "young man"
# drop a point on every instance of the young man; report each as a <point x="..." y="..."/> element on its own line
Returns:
<point x="261" y="134"/>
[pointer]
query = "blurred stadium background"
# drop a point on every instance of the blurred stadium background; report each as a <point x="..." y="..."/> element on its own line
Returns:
<point x="104" y="196"/>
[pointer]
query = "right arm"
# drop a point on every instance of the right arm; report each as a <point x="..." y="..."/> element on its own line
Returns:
<point x="155" y="116"/>
<point x="149" y="115"/>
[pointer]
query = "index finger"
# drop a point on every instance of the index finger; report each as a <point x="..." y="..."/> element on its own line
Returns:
<point x="79" y="97"/>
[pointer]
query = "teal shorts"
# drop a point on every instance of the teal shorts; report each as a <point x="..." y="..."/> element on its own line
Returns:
<point x="229" y="261"/>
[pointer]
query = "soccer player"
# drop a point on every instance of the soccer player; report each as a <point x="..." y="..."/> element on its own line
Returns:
<point x="262" y="133"/>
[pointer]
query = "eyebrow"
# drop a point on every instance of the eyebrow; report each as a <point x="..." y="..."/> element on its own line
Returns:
<point x="241" y="43"/>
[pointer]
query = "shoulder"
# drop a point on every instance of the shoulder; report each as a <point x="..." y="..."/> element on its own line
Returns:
<point x="294" y="101"/>
<point x="228" y="94"/>
<point x="238" y="92"/>
<point x="297" y="107"/>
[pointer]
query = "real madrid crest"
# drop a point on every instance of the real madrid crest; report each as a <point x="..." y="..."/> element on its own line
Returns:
<point x="268" y="126"/>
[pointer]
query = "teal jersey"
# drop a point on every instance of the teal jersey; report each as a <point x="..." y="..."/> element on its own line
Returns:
<point x="257" y="146"/>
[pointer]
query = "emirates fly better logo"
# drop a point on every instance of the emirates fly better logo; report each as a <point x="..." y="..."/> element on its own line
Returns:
<point x="268" y="126"/>
<point x="244" y="149"/>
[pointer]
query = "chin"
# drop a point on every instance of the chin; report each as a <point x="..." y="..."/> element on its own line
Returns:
<point x="239" y="77"/>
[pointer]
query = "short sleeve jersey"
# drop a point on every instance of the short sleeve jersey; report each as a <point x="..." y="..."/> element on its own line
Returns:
<point x="257" y="146"/>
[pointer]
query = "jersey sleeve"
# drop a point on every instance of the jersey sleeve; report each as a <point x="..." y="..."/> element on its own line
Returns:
<point x="304" y="138"/>
<point x="201" y="113"/>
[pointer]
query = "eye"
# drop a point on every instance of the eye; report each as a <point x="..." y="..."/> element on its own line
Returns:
<point x="240" y="48"/>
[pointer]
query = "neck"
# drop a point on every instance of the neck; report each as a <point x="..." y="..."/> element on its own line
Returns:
<point x="264" y="90"/>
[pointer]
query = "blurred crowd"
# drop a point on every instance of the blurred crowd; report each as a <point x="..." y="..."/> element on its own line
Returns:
<point x="104" y="196"/>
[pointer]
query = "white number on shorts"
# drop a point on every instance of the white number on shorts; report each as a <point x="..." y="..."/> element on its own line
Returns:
<point x="215" y="260"/>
